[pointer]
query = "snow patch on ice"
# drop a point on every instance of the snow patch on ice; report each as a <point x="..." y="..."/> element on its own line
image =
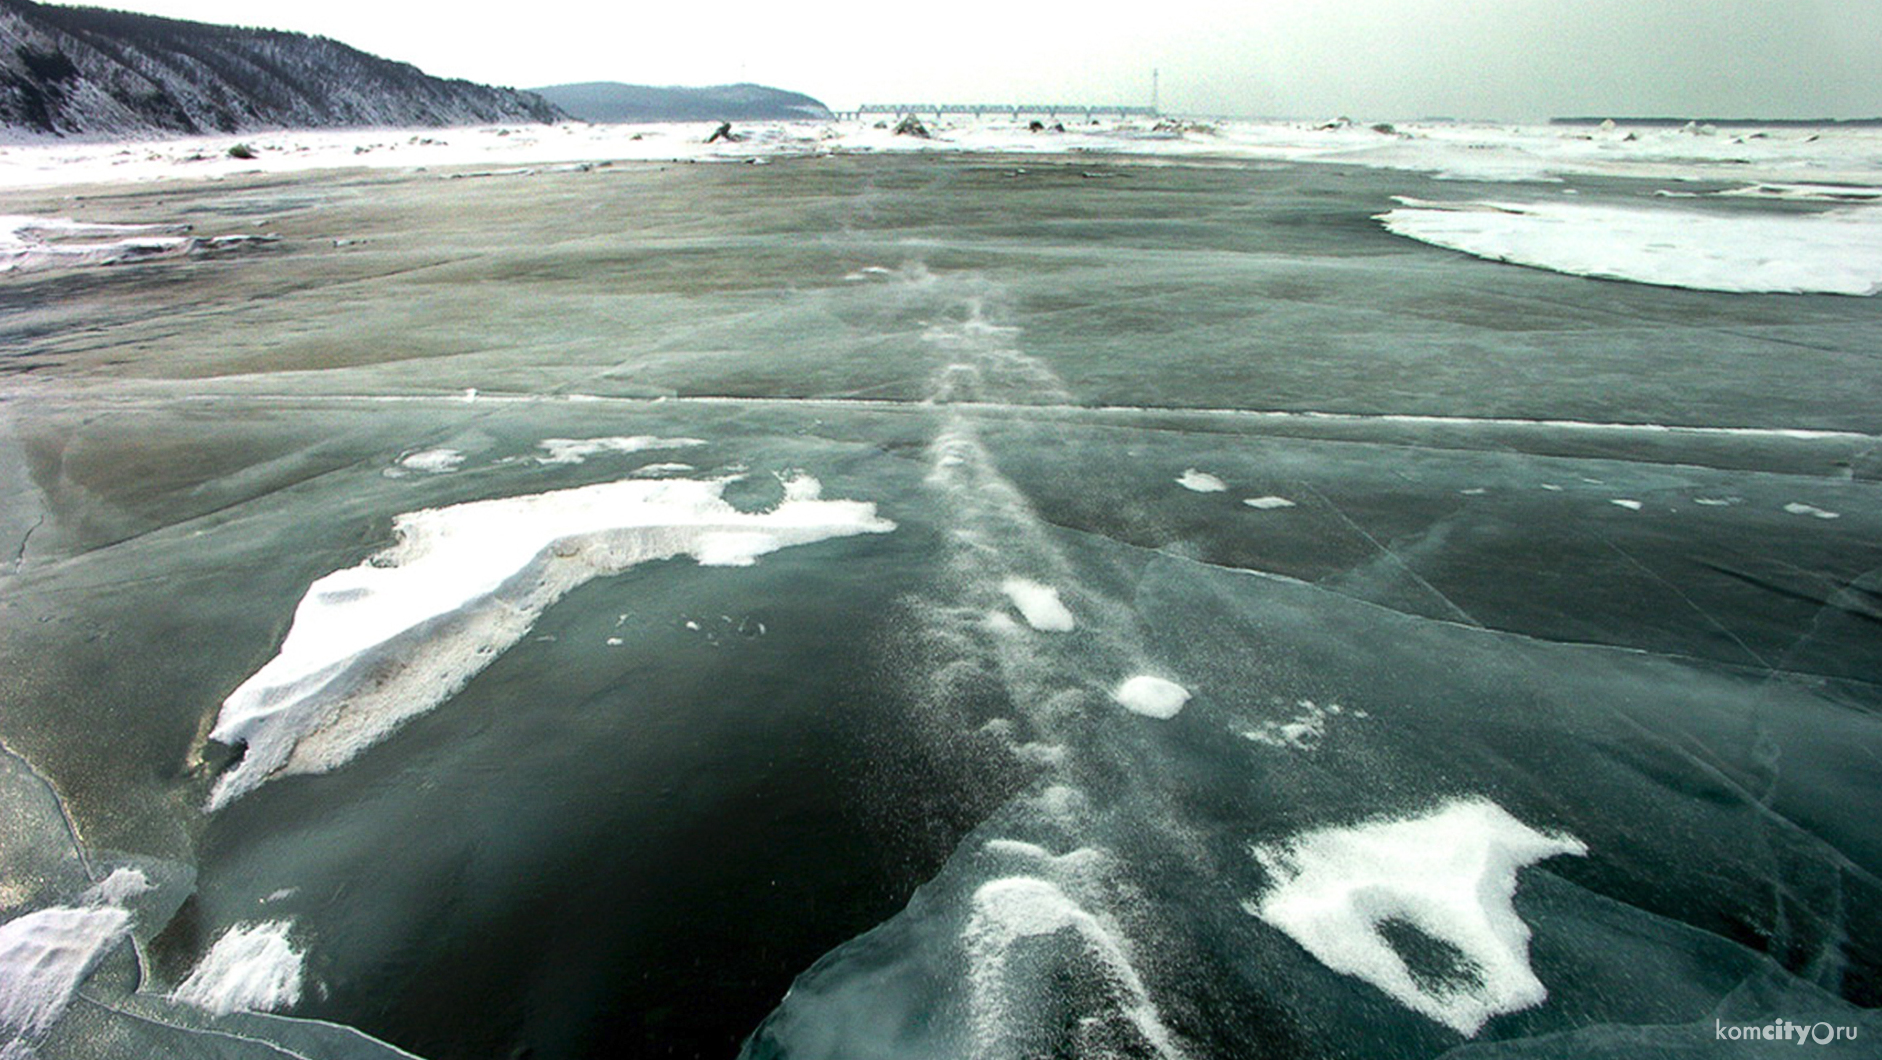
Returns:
<point x="1450" y="875"/>
<point x="426" y="462"/>
<point x="1153" y="697"/>
<point x="1840" y="193"/>
<point x="1268" y="503"/>
<point x="1201" y="481"/>
<point x="375" y="644"/>
<point x="1303" y="731"/>
<point x="1038" y="604"/>
<point x="29" y="244"/>
<point x="1797" y="508"/>
<point x="118" y="888"/>
<point x="577" y="450"/>
<point x="658" y="470"/>
<point x="44" y="956"/>
<point x="1837" y="252"/>
<point x="251" y="968"/>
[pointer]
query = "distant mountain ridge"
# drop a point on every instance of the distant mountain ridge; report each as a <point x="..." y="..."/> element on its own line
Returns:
<point x="82" y="70"/>
<point x="611" y="101"/>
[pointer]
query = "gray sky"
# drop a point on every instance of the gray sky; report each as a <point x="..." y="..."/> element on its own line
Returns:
<point x="1301" y="58"/>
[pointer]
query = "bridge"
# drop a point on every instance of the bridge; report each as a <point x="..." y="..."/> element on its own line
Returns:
<point x="1054" y="111"/>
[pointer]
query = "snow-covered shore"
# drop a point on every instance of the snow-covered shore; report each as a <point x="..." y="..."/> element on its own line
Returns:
<point x="1832" y="155"/>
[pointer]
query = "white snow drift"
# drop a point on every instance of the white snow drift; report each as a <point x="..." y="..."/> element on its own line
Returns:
<point x="44" y="956"/>
<point x="1450" y="874"/>
<point x="1835" y="252"/>
<point x="376" y="644"/>
<point x="1153" y="697"/>
<point x="251" y="968"/>
<point x="1039" y="605"/>
<point x="28" y="244"/>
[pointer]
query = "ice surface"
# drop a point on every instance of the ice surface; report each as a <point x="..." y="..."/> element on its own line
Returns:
<point x="373" y="645"/>
<point x="1153" y="697"/>
<point x="251" y="968"/>
<point x="45" y="955"/>
<point x="1450" y="874"/>
<point x="1201" y="482"/>
<point x="1838" y="252"/>
<point x="1268" y="503"/>
<point x="1038" y="604"/>
<point x="576" y="450"/>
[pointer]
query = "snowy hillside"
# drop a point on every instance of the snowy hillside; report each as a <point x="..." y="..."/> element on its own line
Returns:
<point x="67" y="70"/>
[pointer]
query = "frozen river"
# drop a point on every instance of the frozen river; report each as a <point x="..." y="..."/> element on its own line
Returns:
<point x="935" y="606"/>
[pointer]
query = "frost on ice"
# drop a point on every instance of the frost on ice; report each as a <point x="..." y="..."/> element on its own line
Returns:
<point x="1450" y="876"/>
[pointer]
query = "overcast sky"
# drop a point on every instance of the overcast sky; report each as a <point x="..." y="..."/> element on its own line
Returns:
<point x="1284" y="58"/>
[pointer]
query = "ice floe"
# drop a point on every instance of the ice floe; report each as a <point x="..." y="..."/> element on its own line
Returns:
<point x="1836" y="252"/>
<point x="373" y="645"/>
<point x="251" y="968"/>
<point x="1038" y="604"/>
<point x="1153" y="697"/>
<point x="1268" y="503"/>
<point x="1201" y="481"/>
<point x="1625" y="502"/>
<point x="576" y="450"/>
<point x="1448" y="876"/>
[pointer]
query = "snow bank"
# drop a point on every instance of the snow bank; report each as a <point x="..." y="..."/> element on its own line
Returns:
<point x="376" y="644"/>
<point x="1450" y="875"/>
<point x="1038" y="604"/>
<point x="44" y="956"/>
<point x="1837" y="252"/>
<point x="251" y="968"/>
<point x="576" y="450"/>
<point x="1153" y="697"/>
